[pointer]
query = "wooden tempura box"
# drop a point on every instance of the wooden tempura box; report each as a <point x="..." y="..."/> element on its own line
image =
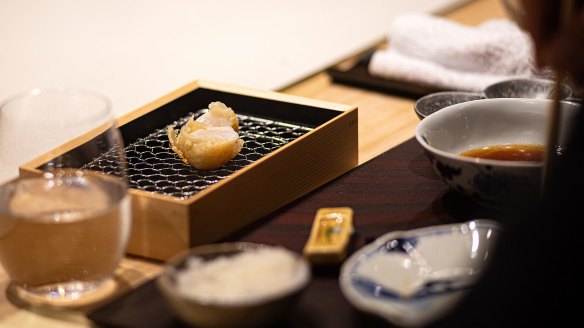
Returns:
<point x="292" y="145"/>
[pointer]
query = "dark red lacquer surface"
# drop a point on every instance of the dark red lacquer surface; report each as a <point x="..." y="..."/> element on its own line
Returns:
<point x="397" y="190"/>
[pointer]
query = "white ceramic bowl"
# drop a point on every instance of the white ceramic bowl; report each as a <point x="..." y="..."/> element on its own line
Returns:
<point x="234" y="284"/>
<point x="434" y="102"/>
<point x="500" y="184"/>
<point x="526" y="88"/>
<point x="411" y="278"/>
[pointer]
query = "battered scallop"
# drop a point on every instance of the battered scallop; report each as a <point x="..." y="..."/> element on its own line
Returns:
<point x="219" y="115"/>
<point x="210" y="141"/>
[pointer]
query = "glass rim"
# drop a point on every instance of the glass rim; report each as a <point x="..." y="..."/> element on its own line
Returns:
<point x="55" y="89"/>
<point x="64" y="90"/>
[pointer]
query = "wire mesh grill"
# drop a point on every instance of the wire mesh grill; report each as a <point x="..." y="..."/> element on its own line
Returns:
<point x="154" y="167"/>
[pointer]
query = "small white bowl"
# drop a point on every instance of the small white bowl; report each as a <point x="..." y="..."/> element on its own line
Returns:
<point x="500" y="184"/>
<point x="434" y="102"/>
<point x="234" y="284"/>
<point x="526" y="88"/>
<point x="411" y="278"/>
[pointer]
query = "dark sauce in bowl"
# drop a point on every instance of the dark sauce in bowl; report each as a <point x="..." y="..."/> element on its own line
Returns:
<point x="508" y="152"/>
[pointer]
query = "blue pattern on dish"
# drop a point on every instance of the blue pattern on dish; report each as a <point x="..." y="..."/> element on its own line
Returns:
<point x="399" y="244"/>
<point x="412" y="277"/>
<point x="428" y="289"/>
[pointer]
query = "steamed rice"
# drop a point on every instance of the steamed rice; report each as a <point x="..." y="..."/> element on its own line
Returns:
<point x="250" y="276"/>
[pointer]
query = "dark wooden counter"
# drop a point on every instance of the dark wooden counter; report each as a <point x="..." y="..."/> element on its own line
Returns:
<point x="397" y="190"/>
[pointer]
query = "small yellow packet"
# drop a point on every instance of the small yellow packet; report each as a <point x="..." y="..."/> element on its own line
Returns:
<point x="330" y="235"/>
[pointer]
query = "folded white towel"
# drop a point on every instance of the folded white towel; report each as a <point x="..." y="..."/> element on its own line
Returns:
<point x="431" y="50"/>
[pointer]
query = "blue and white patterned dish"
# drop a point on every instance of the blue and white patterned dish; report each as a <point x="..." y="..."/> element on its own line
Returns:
<point x="500" y="184"/>
<point x="411" y="278"/>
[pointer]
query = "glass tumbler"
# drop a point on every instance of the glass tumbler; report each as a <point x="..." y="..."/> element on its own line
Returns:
<point x="65" y="221"/>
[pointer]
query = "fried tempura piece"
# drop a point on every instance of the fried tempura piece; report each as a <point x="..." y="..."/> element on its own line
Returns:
<point x="210" y="141"/>
<point x="219" y="115"/>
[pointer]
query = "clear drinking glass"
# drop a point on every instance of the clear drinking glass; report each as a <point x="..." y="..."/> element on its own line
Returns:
<point x="65" y="220"/>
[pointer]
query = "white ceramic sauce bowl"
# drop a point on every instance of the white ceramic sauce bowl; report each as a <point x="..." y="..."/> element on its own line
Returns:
<point x="500" y="184"/>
